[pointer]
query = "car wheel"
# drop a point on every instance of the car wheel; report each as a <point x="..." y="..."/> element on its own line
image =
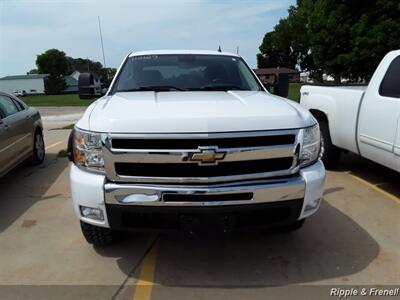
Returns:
<point x="39" y="151"/>
<point x="98" y="236"/>
<point x="329" y="154"/>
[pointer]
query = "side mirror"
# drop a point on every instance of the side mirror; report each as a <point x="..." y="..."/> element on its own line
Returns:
<point x="281" y="87"/>
<point x="86" y="86"/>
<point x="104" y="91"/>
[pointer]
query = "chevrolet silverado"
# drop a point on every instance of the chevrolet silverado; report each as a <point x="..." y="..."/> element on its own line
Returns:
<point x="191" y="139"/>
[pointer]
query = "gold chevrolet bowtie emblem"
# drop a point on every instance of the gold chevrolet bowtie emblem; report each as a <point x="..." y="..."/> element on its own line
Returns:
<point x="207" y="155"/>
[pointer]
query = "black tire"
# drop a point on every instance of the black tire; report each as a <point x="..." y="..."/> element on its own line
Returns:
<point x="291" y="227"/>
<point x="38" y="151"/>
<point x="98" y="236"/>
<point x="330" y="154"/>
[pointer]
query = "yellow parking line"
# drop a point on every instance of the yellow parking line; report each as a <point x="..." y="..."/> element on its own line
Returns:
<point x="374" y="187"/>
<point x="145" y="282"/>
<point x="54" y="145"/>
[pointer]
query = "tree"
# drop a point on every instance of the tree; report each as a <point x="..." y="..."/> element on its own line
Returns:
<point x="342" y="38"/>
<point x="54" y="63"/>
<point x="276" y="48"/>
<point x="83" y="65"/>
<point x="288" y="44"/>
<point x="33" y="71"/>
<point x="107" y="75"/>
<point x="349" y="38"/>
<point x="375" y="32"/>
<point x="86" y="65"/>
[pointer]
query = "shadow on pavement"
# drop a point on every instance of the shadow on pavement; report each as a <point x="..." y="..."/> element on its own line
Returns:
<point x="129" y="251"/>
<point x="385" y="178"/>
<point x="25" y="185"/>
<point x="329" y="245"/>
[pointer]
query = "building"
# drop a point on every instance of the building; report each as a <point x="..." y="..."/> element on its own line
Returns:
<point x="268" y="75"/>
<point x="31" y="84"/>
<point x="305" y="77"/>
<point x="34" y="84"/>
<point x="71" y="82"/>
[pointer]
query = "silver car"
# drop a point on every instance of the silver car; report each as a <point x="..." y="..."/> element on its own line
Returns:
<point x="21" y="133"/>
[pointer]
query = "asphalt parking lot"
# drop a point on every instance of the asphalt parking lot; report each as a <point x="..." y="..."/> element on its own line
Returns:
<point x="353" y="240"/>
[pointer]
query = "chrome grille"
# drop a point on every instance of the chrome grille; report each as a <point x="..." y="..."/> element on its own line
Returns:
<point x="200" y="158"/>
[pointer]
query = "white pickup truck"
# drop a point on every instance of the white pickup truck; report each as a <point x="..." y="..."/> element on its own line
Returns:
<point x="363" y="120"/>
<point x="192" y="140"/>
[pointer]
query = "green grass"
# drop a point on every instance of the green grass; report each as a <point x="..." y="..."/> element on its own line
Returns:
<point x="56" y="100"/>
<point x="70" y="126"/>
<point x="294" y="91"/>
<point x="63" y="153"/>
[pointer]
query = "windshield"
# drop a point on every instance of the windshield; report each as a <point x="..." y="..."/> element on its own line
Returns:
<point x="185" y="73"/>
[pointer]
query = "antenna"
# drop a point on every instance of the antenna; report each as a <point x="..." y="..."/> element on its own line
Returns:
<point x="237" y="49"/>
<point x="219" y="49"/>
<point x="101" y="40"/>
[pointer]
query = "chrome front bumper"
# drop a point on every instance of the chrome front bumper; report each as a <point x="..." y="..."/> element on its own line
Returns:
<point x="93" y="190"/>
<point x="263" y="191"/>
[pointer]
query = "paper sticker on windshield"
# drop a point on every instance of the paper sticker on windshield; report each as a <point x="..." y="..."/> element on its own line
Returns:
<point x="145" y="57"/>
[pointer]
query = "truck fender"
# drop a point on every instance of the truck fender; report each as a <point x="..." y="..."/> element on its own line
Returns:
<point x="322" y="107"/>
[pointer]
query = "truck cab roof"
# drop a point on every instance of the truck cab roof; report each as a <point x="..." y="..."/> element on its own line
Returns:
<point x="181" y="51"/>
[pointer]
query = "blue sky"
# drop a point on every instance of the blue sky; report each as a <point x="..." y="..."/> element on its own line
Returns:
<point x="28" y="28"/>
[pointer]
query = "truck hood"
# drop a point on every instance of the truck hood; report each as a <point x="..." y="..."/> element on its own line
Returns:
<point x="190" y="112"/>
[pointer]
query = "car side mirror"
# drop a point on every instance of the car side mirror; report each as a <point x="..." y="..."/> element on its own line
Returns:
<point x="281" y="87"/>
<point x="86" y="87"/>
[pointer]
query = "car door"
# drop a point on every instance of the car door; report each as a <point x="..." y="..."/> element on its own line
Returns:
<point x="379" y="117"/>
<point x="5" y="151"/>
<point x="13" y="135"/>
<point x="26" y="127"/>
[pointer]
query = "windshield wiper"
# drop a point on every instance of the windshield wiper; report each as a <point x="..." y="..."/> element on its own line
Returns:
<point x="218" y="88"/>
<point x="156" y="88"/>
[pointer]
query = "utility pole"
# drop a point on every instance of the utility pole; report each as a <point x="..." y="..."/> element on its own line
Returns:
<point x="237" y="49"/>
<point x="101" y="40"/>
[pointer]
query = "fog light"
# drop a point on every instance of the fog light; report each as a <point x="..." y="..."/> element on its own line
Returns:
<point x="92" y="213"/>
<point x="312" y="205"/>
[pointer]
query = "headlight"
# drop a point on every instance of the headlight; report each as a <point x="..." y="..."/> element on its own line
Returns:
<point x="86" y="148"/>
<point x="310" y="145"/>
